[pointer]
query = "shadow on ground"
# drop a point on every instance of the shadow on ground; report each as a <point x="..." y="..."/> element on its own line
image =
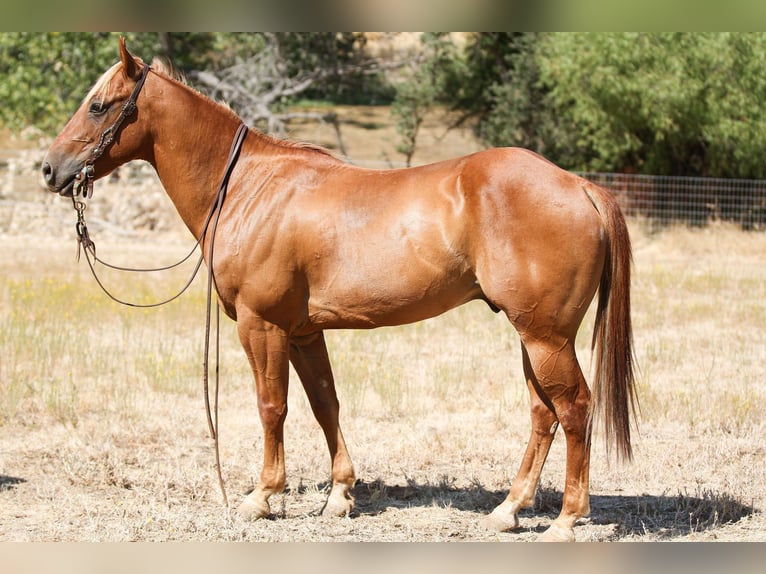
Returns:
<point x="662" y="516"/>
<point x="9" y="482"/>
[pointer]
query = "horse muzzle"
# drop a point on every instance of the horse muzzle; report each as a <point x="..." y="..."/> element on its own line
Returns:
<point x="66" y="178"/>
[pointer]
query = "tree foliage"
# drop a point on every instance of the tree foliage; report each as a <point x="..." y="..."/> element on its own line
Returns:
<point x="426" y="84"/>
<point x="674" y="104"/>
<point x="43" y="76"/>
<point x="678" y="104"/>
<point x="348" y="73"/>
<point x="500" y="90"/>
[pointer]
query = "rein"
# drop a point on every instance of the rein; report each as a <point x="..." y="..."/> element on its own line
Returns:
<point x="84" y="188"/>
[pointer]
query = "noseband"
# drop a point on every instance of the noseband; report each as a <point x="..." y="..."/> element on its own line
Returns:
<point x="86" y="176"/>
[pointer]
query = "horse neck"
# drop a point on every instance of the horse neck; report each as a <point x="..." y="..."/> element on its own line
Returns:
<point x="192" y="137"/>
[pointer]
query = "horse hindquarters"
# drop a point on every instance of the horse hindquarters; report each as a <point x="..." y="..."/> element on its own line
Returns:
<point x="541" y="261"/>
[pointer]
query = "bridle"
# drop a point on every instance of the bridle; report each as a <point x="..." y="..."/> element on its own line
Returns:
<point x="83" y="190"/>
<point x="84" y="179"/>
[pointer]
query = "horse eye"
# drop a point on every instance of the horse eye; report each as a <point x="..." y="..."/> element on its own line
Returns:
<point x="97" y="108"/>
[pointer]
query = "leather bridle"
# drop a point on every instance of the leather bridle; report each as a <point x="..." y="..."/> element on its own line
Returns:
<point x="84" y="179"/>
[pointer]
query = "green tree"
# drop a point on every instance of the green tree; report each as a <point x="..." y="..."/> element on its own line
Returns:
<point x="676" y="104"/>
<point x="500" y="90"/>
<point x="493" y="82"/>
<point x="341" y="56"/>
<point x="429" y="76"/>
<point x="673" y="103"/>
<point x="44" y="76"/>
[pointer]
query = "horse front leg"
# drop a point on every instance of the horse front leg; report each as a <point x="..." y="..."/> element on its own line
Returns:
<point x="311" y="362"/>
<point x="267" y="349"/>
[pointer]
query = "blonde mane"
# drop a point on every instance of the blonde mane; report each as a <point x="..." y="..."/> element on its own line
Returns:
<point x="297" y="144"/>
<point x="101" y="87"/>
<point x="167" y="69"/>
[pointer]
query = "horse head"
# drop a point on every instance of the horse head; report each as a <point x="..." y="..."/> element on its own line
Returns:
<point x="107" y="130"/>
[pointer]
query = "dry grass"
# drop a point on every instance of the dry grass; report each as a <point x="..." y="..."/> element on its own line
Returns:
<point x="103" y="434"/>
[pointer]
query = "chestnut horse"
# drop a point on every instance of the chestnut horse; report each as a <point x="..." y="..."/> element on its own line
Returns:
<point x="307" y="242"/>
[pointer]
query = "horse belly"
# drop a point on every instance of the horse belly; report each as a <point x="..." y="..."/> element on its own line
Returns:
<point x="378" y="294"/>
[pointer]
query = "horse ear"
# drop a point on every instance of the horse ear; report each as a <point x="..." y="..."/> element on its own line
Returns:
<point x="130" y="67"/>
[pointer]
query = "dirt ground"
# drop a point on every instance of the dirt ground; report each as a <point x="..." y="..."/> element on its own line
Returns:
<point x="102" y="429"/>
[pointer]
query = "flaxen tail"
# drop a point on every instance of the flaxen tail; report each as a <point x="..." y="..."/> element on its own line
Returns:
<point x="613" y="393"/>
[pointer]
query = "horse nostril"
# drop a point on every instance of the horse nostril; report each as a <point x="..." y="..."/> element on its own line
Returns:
<point x="47" y="172"/>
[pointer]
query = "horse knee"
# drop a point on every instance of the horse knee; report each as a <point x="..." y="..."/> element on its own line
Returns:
<point x="272" y="413"/>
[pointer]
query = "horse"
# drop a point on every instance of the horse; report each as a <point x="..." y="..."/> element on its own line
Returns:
<point x="308" y="242"/>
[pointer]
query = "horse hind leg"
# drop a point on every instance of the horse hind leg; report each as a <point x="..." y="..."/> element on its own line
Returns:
<point x="311" y="362"/>
<point x="524" y="485"/>
<point x="560" y="379"/>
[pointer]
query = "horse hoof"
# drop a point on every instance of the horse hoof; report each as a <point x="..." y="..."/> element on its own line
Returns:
<point x="557" y="533"/>
<point x="253" y="510"/>
<point x="337" y="507"/>
<point x="497" y="522"/>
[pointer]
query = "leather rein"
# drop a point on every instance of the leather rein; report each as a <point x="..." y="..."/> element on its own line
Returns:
<point x="83" y="190"/>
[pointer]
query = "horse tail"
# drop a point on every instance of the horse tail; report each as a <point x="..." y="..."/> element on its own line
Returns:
<point x="613" y="390"/>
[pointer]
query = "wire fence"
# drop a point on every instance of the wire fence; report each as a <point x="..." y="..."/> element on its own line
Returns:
<point x="695" y="201"/>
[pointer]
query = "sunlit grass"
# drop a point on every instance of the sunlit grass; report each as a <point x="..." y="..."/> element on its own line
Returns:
<point x="445" y="364"/>
<point x="699" y="314"/>
<point x="69" y="350"/>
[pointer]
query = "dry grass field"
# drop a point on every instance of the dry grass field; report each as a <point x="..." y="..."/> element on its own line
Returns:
<point x="103" y="434"/>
